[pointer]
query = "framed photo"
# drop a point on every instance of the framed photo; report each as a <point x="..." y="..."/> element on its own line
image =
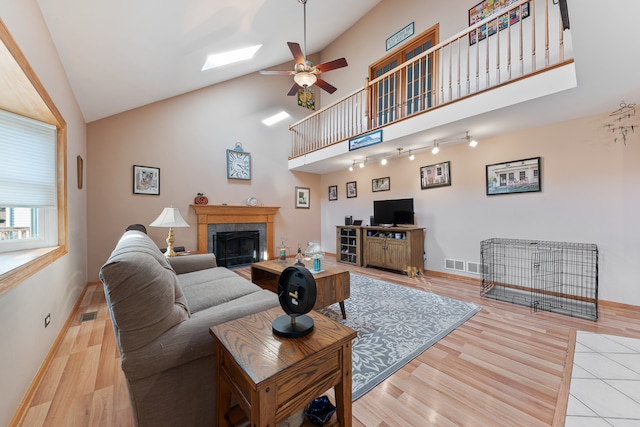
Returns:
<point x="352" y="189"/>
<point x="303" y="197"/>
<point x="485" y="9"/>
<point x="438" y="175"/>
<point x="518" y="176"/>
<point x="381" y="184"/>
<point x="238" y="165"/>
<point x="333" y="192"/>
<point x="146" y="180"/>
<point x="365" y="140"/>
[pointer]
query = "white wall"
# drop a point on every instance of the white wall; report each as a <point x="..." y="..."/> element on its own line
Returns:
<point x="589" y="195"/>
<point x="55" y="290"/>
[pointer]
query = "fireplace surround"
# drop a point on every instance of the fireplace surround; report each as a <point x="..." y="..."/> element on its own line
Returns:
<point x="224" y="214"/>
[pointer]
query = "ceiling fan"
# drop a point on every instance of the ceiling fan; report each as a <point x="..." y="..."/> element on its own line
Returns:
<point x="304" y="73"/>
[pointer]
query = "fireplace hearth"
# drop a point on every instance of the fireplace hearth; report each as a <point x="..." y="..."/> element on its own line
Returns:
<point x="235" y="248"/>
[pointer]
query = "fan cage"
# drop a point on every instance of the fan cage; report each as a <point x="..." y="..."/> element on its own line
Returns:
<point x="558" y="277"/>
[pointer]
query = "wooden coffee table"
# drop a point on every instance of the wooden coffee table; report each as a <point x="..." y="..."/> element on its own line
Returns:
<point x="332" y="284"/>
<point x="271" y="377"/>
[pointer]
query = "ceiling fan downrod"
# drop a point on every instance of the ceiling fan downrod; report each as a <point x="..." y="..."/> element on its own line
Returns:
<point x="304" y="19"/>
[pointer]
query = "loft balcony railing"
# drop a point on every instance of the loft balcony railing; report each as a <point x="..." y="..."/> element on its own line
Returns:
<point x="513" y="43"/>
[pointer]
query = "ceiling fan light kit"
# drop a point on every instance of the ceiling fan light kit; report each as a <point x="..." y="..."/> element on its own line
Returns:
<point x="304" y="73"/>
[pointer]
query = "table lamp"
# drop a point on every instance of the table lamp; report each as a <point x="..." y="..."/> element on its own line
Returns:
<point x="169" y="217"/>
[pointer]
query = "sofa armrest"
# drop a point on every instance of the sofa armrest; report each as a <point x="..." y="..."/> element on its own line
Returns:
<point x="191" y="340"/>
<point x="188" y="263"/>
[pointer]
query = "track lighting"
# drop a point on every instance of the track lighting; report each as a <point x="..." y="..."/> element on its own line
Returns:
<point x="361" y="164"/>
<point x="411" y="156"/>
<point x="436" y="148"/>
<point x="351" y="167"/>
<point x="383" y="161"/>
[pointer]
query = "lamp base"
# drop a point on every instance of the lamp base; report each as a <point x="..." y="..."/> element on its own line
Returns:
<point x="292" y="326"/>
<point x="170" y="252"/>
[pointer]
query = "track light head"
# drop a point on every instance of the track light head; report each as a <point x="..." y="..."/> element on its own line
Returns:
<point x="436" y="148"/>
<point x="383" y="162"/>
<point x="411" y="156"/>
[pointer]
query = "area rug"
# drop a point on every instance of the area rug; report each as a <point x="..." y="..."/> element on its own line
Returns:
<point x="395" y="324"/>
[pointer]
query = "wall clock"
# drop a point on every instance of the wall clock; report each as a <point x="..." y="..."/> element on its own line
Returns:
<point x="238" y="164"/>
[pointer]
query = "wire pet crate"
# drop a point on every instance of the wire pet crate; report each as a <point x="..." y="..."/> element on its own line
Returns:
<point x="547" y="276"/>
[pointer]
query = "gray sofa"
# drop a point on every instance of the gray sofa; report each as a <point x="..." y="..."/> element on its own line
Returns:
<point x="161" y="310"/>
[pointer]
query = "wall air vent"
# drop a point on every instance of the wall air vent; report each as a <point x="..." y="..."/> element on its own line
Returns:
<point x="454" y="264"/>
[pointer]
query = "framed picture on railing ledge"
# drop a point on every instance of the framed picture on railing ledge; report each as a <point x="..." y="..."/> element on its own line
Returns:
<point x="365" y="140"/>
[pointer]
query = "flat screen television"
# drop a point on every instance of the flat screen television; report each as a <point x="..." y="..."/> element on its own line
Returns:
<point x="393" y="212"/>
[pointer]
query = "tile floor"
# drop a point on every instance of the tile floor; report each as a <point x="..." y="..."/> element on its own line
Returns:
<point x="605" y="382"/>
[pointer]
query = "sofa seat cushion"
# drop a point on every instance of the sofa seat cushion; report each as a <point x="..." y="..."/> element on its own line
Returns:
<point x="142" y="292"/>
<point x="212" y="287"/>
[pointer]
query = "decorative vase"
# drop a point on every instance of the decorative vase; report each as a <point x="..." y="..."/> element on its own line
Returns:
<point x="201" y="199"/>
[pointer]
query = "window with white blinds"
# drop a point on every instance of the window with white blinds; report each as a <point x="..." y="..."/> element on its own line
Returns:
<point x="27" y="162"/>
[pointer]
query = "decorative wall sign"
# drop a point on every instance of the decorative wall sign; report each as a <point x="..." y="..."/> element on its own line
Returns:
<point x="365" y="140"/>
<point x="400" y="36"/>
<point x="518" y="176"/>
<point x="486" y="8"/>
<point x="438" y="175"/>
<point x="238" y="163"/>
<point x="146" y="180"/>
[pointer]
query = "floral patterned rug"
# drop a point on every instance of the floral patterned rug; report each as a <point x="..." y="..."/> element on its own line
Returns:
<point x="395" y="324"/>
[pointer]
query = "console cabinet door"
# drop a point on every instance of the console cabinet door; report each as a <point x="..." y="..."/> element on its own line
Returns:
<point x="396" y="255"/>
<point x="375" y="253"/>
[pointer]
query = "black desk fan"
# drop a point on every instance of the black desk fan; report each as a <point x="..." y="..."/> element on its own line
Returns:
<point x="297" y="295"/>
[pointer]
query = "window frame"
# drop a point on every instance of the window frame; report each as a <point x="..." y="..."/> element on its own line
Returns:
<point x="25" y="95"/>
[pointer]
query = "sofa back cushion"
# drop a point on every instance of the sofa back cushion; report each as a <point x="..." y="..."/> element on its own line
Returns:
<point x="142" y="292"/>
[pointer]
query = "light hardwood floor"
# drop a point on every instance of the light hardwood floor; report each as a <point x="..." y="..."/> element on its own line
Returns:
<point x="506" y="366"/>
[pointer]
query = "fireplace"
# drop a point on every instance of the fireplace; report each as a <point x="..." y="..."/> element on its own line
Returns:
<point x="234" y="248"/>
<point x="218" y="215"/>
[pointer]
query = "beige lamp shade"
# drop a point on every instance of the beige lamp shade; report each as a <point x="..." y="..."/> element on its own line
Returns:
<point x="169" y="217"/>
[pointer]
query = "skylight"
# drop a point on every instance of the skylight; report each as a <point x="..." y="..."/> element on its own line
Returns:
<point x="220" y="59"/>
<point x="275" y="118"/>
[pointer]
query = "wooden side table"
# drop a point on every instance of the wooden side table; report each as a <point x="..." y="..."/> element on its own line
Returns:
<point x="272" y="377"/>
<point x="332" y="284"/>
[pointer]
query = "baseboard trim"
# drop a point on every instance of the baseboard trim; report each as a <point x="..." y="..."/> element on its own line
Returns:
<point x="27" y="399"/>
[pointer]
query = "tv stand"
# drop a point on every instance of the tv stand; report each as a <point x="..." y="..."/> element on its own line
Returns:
<point x="394" y="248"/>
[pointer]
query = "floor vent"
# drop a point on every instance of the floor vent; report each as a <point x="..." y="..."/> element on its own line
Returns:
<point x="453" y="264"/>
<point x="88" y="316"/>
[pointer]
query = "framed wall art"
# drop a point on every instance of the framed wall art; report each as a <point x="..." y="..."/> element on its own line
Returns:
<point x="333" y="192"/>
<point x="146" y="180"/>
<point x="303" y="197"/>
<point x="438" y="175"/>
<point x="518" y="176"/>
<point x="352" y="189"/>
<point x="381" y="184"/>
<point x="365" y="140"/>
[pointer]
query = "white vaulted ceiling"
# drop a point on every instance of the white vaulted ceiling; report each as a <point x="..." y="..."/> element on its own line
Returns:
<point x="122" y="54"/>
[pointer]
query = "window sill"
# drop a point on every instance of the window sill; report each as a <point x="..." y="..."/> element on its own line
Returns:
<point x="17" y="266"/>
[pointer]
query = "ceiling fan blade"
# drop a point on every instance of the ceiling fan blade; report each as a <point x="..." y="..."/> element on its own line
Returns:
<point x="332" y="65"/>
<point x="296" y="52"/>
<point x="275" y="72"/>
<point x="294" y="89"/>
<point x="325" y="86"/>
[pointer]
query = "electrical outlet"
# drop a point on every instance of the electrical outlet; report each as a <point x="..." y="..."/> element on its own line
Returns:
<point x="47" y="320"/>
